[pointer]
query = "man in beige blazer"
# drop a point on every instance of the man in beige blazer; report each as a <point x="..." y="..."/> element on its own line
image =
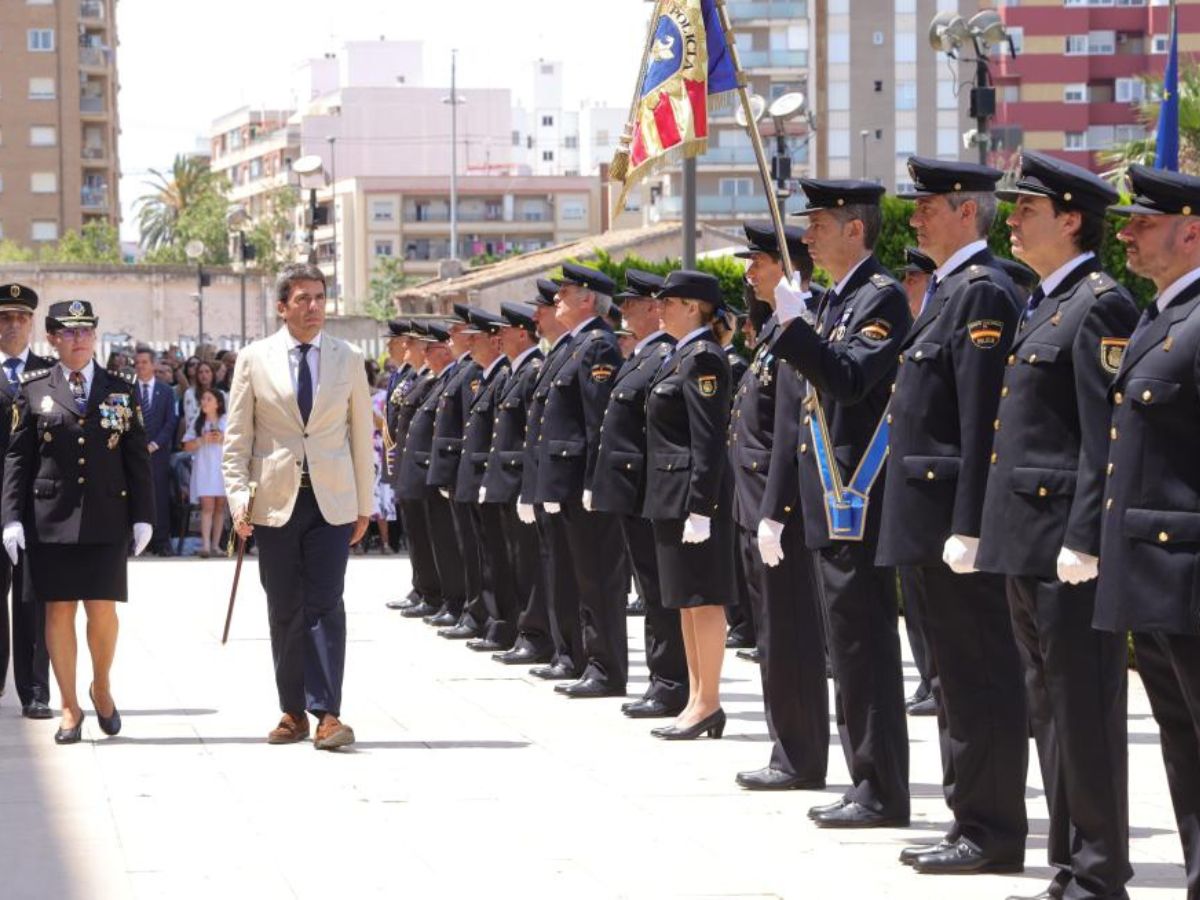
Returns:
<point x="300" y="427"/>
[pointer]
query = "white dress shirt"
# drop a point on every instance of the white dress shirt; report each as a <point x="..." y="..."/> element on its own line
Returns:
<point x="841" y="285"/>
<point x="582" y="325"/>
<point x="314" y="361"/>
<point x="641" y="345"/>
<point x="522" y="357"/>
<point x="1051" y="282"/>
<point x="89" y="374"/>
<point x="22" y="357"/>
<point x="957" y="259"/>
<point x="145" y="391"/>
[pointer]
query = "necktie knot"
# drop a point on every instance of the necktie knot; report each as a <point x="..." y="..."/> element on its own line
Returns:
<point x="10" y="366"/>
<point x="1035" y="300"/>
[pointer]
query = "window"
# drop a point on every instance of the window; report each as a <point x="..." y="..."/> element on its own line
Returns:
<point x="838" y="94"/>
<point x="1010" y="93"/>
<point x="1016" y="34"/>
<point x="839" y="48"/>
<point x="41" y="40"/>
<point x="516" y="139"/>
<point x="41" y="89"/>
<point x="547" y="156"/>
<point x="1102" y="43"/>
<point x="547" y="121"/>
<point x="573" y="210"/>
<point x="1130" y="90"/>
<point x="946" y="97"/>
<point x="602" y="137"/>
<point x="43" y="230"/>
<point x="547" y="68"/>
<point x="947" y="142"/>
<point x="1075" y="93"/>
<point x="906" y="141"/>
<point x="571" y="142"/>
<point x="906" y="46"/>
<point x="736" y="187"/>
<point x="385" y="248"/>
<point x="383" y="211"/>
<point x="1159" y="43"/>
<point x="43" y="136"/>
<point x="1075" y="140"/>
<point x="43" y="183"/>
<point x="839" y="143"/>
<point x="1077" y="44"/>
<point x="1126" y="133"/>
<point x="256" y="168"/>
<point x="906" y="95"/>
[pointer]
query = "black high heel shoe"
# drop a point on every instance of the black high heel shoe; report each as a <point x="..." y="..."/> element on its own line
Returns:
<point x="70" y="735"/>
<point x="110" y="725"/>
<point x="713" y="725"/>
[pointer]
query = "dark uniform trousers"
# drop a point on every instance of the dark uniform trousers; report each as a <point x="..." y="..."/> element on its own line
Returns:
<point x="521" y="619"/>
<point x="665" y="656"/>
<point x="26" y="643"/>
<point x="912" y="593"/>
<point x="446" y="553"/>
<point x="1076" y="689"/>
<point x="742" y="615"/>
<point x="466" y="530"/>
<point x="602" y="590"/>
<point x="562" y="590"/>
<point x="500" y="592"/>
<point x="302" y="567"/>
<point x="426" y="581"/>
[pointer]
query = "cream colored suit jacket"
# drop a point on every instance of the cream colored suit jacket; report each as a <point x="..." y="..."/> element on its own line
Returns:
<point x="266" y="441"/>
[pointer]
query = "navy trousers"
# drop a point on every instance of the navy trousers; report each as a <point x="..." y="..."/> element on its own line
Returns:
<point x="27" y="640"/>
<point x="302" y="566"/>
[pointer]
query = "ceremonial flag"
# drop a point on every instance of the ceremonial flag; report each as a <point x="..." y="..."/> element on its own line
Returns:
<point x="1166" y="145"/>
<point x="687" y="71"/>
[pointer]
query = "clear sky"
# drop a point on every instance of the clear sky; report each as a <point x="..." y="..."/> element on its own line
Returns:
<point x="182" y="65"/>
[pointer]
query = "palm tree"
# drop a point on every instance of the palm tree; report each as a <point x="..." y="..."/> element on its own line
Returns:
<point x="158" y="211"/>
<point x="1140" y="151"/>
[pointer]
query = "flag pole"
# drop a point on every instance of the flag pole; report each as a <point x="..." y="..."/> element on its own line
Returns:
<point x="760" y="155"/>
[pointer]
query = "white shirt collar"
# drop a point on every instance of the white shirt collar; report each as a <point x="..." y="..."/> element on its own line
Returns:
<point x="1051" y="282"/>
<point x="88" y="371"/>
<point x="492" y="366"/>
<point x="23" y="356"/>
<point x="522" y="356"/>
<point x="641" y="345"/>
<point x="582" y="325"/>
<point x="315" y="343"/>
<point x="956" y="260"/>
<point x="462" y="356"/>
<point x="841" y="285"/>
<point x="421" y="371"/>
<point x="147" y="384"/>
<point x="1175" y="288"/>
<point x="703" y="330"/>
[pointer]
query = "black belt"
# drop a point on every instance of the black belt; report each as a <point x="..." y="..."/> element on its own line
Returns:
<point x="305" y="481"/>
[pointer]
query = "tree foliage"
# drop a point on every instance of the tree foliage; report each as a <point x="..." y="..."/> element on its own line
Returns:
<point x="170" y="206"/>
<point x="98" y="242"/>
<point x="1121" y="156"/>
<point x="387" y="279"/>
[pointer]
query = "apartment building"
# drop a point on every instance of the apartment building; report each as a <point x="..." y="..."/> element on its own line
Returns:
<point x="58" y="118"/>
<point x="1073" y="90"/>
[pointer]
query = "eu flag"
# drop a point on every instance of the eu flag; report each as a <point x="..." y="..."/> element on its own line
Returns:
<point x="1166" y="145"/>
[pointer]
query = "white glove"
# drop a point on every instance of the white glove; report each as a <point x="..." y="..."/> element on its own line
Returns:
<point x="587" y="500"/>
<point x="482" y="494"/>
<point x="770" y="542"/>
<point x="959" y="553"/>
<point x="790" y="300"/>
<point x="525" y="513"/>
<point x="1075" y="567"/>
<point x="696" y="529"/>
<point x="14" y="540"/>
<point x="552" y="508"/>
<point x="445" y="492"/>
<point x="142" y="532"/>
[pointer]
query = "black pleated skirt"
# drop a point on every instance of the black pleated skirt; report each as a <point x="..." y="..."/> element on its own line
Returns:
<point x="695" y="574"/>
<point x="78" y="571"/>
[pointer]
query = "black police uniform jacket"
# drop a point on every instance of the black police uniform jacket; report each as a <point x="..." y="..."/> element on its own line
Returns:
<point x="477" y="434"/>
<point x="943" y="410"/>
<point x="532" y="451"/>
<point x="77" y="479"/>
<point x="8" y="399"/>
<point x="506" y="457"/>
<point x="850" y="358"/>
<point x="1046" y="484"/>
<point x="620" y="478"/>
<point x="780" y="496"/>
<point x="418" y="410"/>
<point x="398" y="385"/>
<point x="755" y="426"/>
<point x="1150" y="540"/>
<point x="453" y="403"/>
<point x="687" y="416"/>
<point x="737" y="366"/>
<point x="570" y="433"/>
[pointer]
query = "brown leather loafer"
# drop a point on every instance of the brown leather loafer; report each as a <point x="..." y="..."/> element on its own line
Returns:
<point x="292" y="727"/>
<point x="332" y="734"/>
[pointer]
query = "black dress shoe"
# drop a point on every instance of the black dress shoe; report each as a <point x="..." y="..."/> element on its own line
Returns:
<point x="752" y="655"/>
<point x="402" y="604"/>
<point x="444" y="619"/>
<point x="590" y="687"/>
<point x="855" y="815"/>
<point x="737" y="642"/>
<point x="458" y="633"/>
<point x="70" y="735"/>
<point x="484" y="645"/>
<point x="110" y="725"/>
<point x="771" y="779"/>
<point x="713" y="725"/>
<point x="636" y="608"/>
<point x="1048" y="894"/>
<point x="827" y="807"/>
<point x="420" y="611"/>
<point x="523" y="655"/>
<point x="651" y="708"/>
<point x="554" y="672"/>
<point x="909" y="854"/>
<point x="963" y="858"/>
<point x="37" y="709"/>
<point x="927" y="706"/>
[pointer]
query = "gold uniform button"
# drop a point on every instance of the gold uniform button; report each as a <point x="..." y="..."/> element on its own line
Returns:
<point x="1042" y="492"/>
<point x="1163" y="537"/>
<point x="82" y="479"/>
<point x="1147" y="396"/>
<point x="1111" y="466"/>
<point x="1113" y="433"/>
<point x="929" y="475"/>
<point x="753" y="466"/>
<point x="81" y="442"/>
<point x="1118" y="398"/>
<point x="1012" y="359"/>
<point x="893" y="387"/>
<point x="1004" y="391"/>
<point x="1108" y="503"/>
<point x="804" y="448"/>
<point x="807" y="419"/>
<point x="124" y="493"/>
<point x="628" y="466"/>
<point x="996" y="425"/>
<point x="82" y="461"/>
<point x="1032" y="357"/>
<point x="889" y="419"/>
<point x="917" y="355"/>
<point x="994" y="458"/>
<point x="47" y="437"/>
<point x="901" y="358"/>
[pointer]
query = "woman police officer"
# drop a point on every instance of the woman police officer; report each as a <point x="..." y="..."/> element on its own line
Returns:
<point x="689" y="491"/>
<point x="76" y="480"/>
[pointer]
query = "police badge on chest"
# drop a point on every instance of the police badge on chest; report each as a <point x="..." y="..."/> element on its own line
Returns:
<point x="116" y="414"/>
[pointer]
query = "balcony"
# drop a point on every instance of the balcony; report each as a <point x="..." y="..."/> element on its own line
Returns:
<point x="741" y="10"/>
<point x="94" y="198"/>
<point x="94" y="153"/>
<point x="715" y="205"/>
<point x="95" y="57"/>
<point x="744" y="156"/>
<point x="93" y="105"/>
<point x="774" y="59"/>
<point x="91" y="10"/>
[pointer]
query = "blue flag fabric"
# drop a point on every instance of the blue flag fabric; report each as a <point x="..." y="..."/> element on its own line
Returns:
<point x="1166" y="145"/>
<point x="722" y="76"/>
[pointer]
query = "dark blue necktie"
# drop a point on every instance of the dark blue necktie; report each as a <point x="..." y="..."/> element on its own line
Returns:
<point x="145" y="398"/>
<point x="1149" y="314"/>
<point x="930" y="290"/>
<point x="78" y="391"/>
<point x="11" y="365"/>
<point x="831" y="302"/>
<point x="304" y="385"/>
<point x="1035" y="300"/>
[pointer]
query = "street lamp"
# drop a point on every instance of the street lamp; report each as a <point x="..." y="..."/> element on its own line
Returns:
<point x="195" y="252"/>
<point x="311" y="168"/>
<point x="864" y="134"/>
<point x="454" y="102"/>
<point x="949" y="33"/>
<point x="237" y="219"/>
<point x="781" y="111"/>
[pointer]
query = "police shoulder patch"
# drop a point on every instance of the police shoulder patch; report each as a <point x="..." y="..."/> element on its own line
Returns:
<point x="475" y="385"/>
<point x="707" y="385"/>
<point x="602" y="373"/>
<point x="876" y="330"/>
<point x="1101" y="283"/>
<point x="985" y="333"/>
<point x="1112" y="351"/>
<point x="977" y="273"/>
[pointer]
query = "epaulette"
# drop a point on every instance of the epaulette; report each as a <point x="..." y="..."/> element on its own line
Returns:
<point x="34" y="375"/>
<point x="882" y="281"/>
<point x="124" y="376"/>
<point x="977" y="272"/>
<point x="1102" y="283"/>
